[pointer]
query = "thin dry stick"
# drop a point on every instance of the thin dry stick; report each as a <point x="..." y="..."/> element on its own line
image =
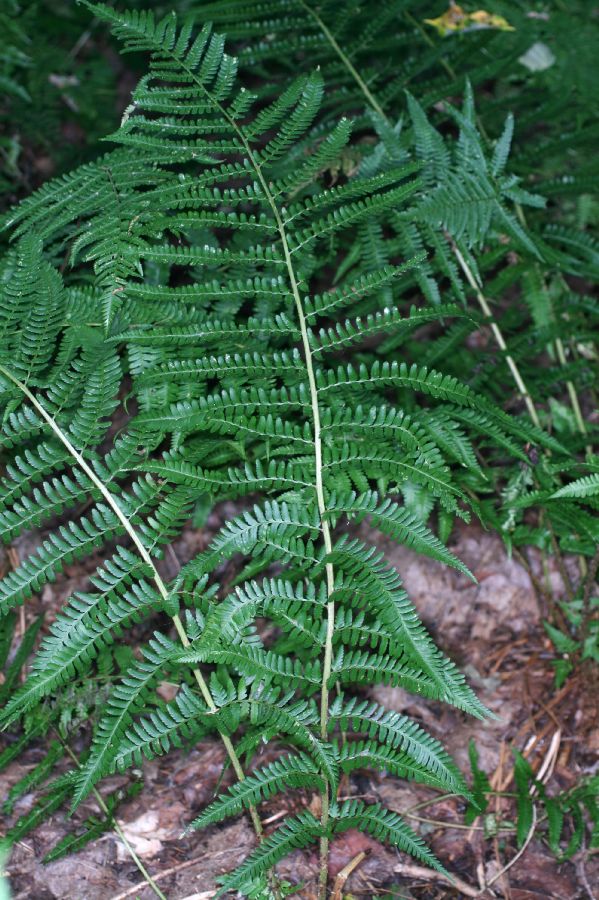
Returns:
<point x="345" y="873"/>
<point x="166" y="873"/>
<point x="203" y="895"/>
<point x="421" y="873"/>
<point x="409" y="813"/>
<point x="515" y="859"/>
<point x="455" y="826"/>
<point x="557" y="699"/>
<point x="546" y="768"/>
<point x="497" y="334"/>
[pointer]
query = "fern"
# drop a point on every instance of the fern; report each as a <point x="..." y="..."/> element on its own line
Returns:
<point x="229" y="325"/>
<point x="588" y="486"/>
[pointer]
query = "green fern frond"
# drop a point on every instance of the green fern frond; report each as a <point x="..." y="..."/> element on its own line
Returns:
<point x="171" y="725"/>
<point x="394" y="731"/>
<point x="385" y="826"/>
<point x="397" y="522"/>
<point x="289" y="771"/>
<point x="125" y="699"/>
<point x="381" y="585"/>
<point x="587" y="486"/>
<point x="297" y="832"/>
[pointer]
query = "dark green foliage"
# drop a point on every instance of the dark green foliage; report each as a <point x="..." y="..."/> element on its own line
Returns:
<point x="58" y="721"/>
<point x="568" y="814"/>
<point x="61" y="86"/>
<point x="252" y="296"/>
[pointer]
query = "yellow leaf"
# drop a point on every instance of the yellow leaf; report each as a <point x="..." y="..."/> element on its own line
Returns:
<point x="452" y="20"/>
<point x="489" y="20"/>
<point x="456" y="19"/>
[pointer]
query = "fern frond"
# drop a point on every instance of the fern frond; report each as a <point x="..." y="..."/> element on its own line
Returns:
<point x="394" y="731"/>
<point x="435" y="384"/>
<point x="297" y="832"/>
<point x="125" y="699"/>
<point x="349" y="332"/>
<point x="296" y="770"/>
<point x="72" y="541"/>
<point x="384" y="825"/>
<point x="172" y="725"/>
<point x="587" y="486"/>
<point x="397" y="522"/>
<point x="382" y="586"/>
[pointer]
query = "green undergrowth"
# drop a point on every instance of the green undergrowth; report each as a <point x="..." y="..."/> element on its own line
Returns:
<point x="334" y="269"/>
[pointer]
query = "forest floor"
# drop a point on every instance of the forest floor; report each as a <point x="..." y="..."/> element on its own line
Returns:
<point x="493" y="630"/>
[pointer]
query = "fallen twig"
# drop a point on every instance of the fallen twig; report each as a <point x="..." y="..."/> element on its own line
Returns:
<point x="345" y="873"/>
<point x="130" y="892"/>
<point x="515" y="859"/>
<point x="407" y="870"/>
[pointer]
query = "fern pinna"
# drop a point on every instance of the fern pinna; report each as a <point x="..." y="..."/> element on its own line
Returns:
<point x="202" y="319"/>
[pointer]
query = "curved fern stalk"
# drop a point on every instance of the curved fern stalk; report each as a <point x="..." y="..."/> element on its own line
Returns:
<point x="497" y="333"/>
<point x="345" y="60"/>
<point x="141" y="549"/>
